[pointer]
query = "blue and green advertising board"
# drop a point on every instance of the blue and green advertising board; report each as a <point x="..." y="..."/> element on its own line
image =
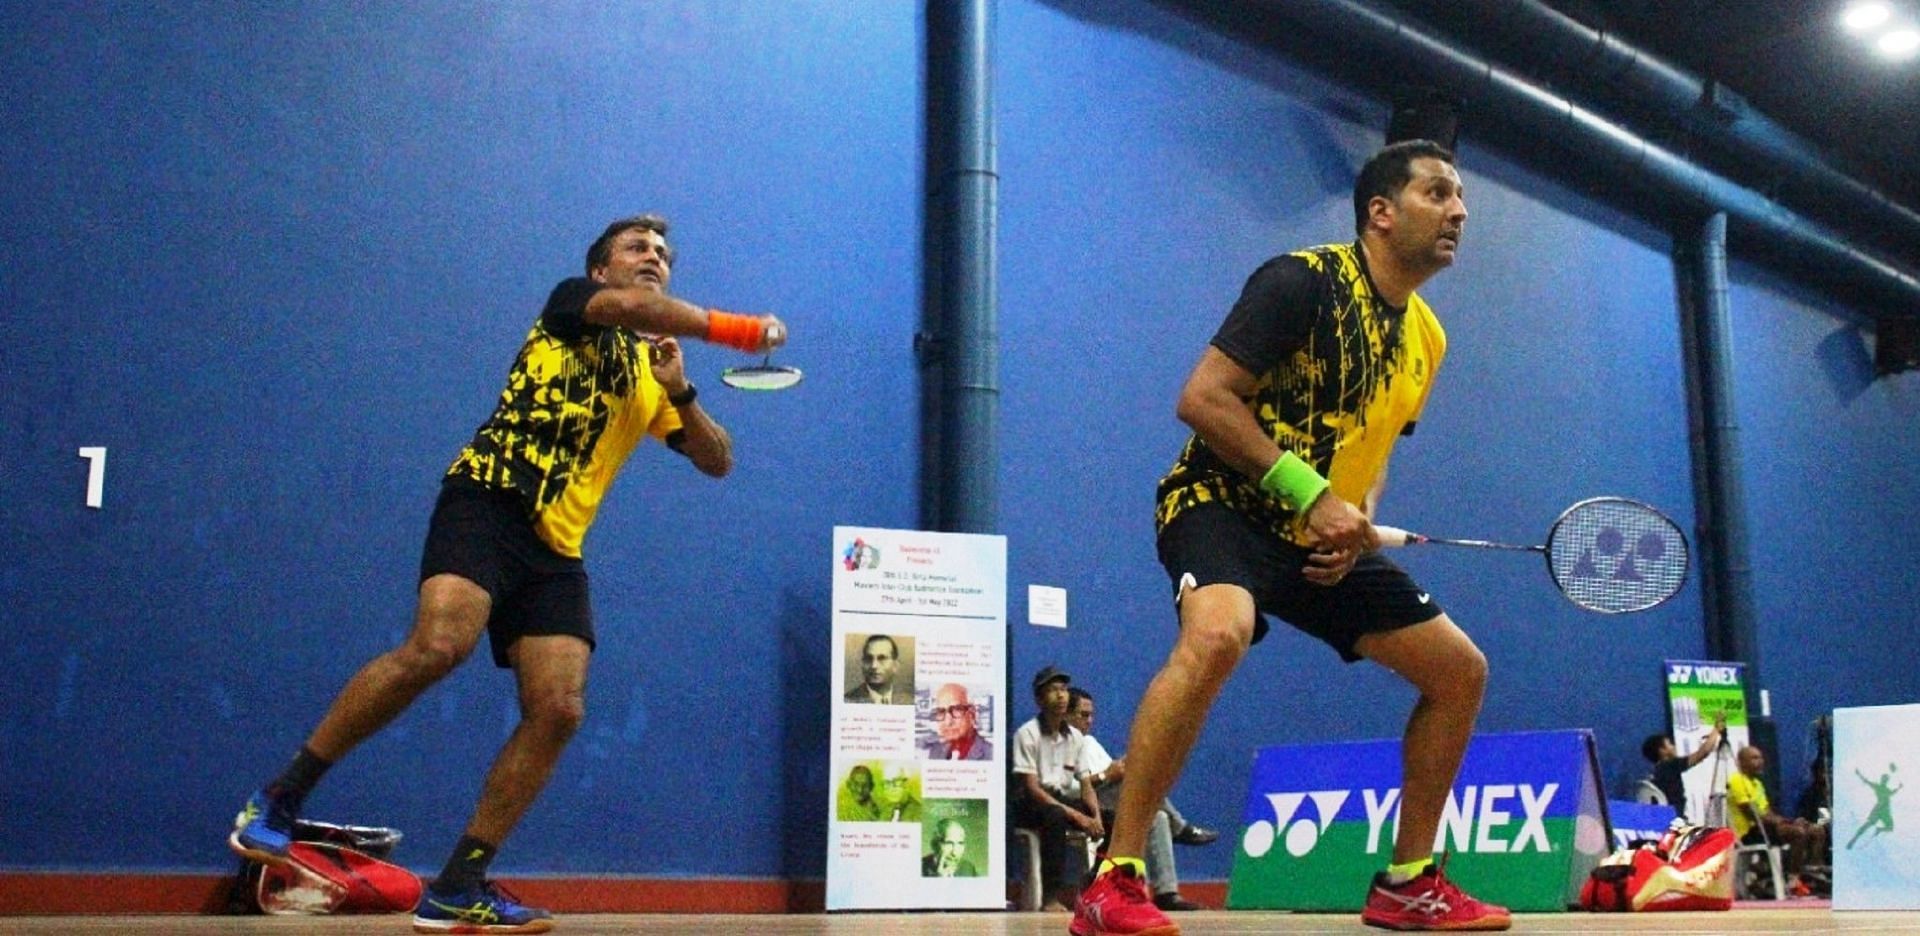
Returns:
<point x="1523" y="824"/>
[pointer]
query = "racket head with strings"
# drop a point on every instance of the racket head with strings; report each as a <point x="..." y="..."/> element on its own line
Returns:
<point x="1614" y="555"/>
<point x="765" y="375"/>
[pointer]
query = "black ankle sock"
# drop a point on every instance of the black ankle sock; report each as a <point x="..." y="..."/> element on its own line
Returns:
<point x="466" y="867"/>
<point x="295" y="782"/>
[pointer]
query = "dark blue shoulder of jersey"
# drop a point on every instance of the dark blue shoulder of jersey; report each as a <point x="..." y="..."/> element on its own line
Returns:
<point x="565" y="316"/>
<point x="1274" y="315"/>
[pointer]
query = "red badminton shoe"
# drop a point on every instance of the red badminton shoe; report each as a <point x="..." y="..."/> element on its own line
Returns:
<point x="1428" y="901"/>
<point x="1116" y="904"/>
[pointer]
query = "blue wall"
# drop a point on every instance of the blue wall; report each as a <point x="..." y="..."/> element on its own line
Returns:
<point x="1832" y="464"/>
<point x="278" y="261"/>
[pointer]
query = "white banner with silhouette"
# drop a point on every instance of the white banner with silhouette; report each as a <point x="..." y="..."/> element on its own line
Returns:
<point x="1875" y="834"/>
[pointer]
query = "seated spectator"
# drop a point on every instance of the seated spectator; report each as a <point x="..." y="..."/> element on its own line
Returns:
<point x="1755" y="822"/>
<point x="1668" y="765"/>
<point x="1105" y="773"/>
<point x="1048" y="796"/>
<point x="1816" y="801"/>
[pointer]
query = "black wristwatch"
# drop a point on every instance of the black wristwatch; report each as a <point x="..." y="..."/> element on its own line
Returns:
<point x="683" y="397"/>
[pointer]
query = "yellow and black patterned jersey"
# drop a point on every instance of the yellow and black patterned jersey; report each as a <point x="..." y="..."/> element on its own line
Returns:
<point x="1342" y="375"/>
<point x="577" y="401"/>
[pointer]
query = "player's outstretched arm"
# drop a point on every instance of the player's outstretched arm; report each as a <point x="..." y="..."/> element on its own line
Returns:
<point x="648" y="310"/>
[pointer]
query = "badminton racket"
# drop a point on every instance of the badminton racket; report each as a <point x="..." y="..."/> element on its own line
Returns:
<point x="1606" y="554"/>
<point x="765" y="375"/>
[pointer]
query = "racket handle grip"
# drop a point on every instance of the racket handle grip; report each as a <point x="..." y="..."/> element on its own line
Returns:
<point x="1396" y="537"/>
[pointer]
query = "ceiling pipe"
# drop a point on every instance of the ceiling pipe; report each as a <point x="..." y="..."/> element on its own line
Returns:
<point x="1376" y="49"/>
<point x="1544" y="39"/>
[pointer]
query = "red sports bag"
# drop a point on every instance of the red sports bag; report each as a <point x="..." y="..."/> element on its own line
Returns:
<point x="1691" y="868"/>
<point x="326" y="877"/>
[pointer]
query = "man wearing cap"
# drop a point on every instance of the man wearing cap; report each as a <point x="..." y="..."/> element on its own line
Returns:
<point x="1047" y="768"/>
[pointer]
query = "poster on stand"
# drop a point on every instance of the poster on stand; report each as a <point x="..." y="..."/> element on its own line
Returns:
<point x="1698" y="691"/>
<point x="917" y="810"/>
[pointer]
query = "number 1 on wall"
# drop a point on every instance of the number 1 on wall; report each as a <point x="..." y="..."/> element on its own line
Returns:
<point x="96" y="472"/>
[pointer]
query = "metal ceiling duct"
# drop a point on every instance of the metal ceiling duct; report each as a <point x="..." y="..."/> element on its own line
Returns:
<point x="1546" y="40"/>
<point x="1374" y="48"/>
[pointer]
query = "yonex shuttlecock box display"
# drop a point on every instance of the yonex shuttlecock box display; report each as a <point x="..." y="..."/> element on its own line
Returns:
<point x="1524" y="822"/>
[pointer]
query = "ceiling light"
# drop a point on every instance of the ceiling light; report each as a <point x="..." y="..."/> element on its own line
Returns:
<point x="1899" y="44"/>
<point x="1865" y="15"/>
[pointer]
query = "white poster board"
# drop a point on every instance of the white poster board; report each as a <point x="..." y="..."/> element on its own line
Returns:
<point x="1875" y="834"/>
<point x="917" y="801"/>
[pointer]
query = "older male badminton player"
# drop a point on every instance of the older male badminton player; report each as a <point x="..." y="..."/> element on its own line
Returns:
<point x="503" y="550"/>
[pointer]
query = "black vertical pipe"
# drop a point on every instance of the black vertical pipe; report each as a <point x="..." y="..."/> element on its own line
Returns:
<point x="959" y="343"/>
<point x="1707" y="324"/>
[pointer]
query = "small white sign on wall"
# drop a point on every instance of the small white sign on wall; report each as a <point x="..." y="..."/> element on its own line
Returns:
<point x="1046" y="606"/>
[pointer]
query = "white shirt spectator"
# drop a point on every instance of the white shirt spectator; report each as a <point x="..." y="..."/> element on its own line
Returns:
<point x="1055" y="759"/>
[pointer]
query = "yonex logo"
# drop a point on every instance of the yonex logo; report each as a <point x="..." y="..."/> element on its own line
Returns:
<point x="1300" y="836"/>
<point x="1499" y="818"/>
<point x="1684" y="673"/>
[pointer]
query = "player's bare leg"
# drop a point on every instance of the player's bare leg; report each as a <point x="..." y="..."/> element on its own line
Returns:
<point x="1216" y="627"/>
<point x="1441" y="661"/>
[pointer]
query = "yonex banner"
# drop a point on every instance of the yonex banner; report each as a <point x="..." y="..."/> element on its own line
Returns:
<point x="1699" y="691"/>
<point x="1524" y="822"/>
<point x="1875" y="834"/>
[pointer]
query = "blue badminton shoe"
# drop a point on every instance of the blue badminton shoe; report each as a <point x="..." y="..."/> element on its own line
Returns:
<point x="485" y="908"/>
<point x="263" y="831"/>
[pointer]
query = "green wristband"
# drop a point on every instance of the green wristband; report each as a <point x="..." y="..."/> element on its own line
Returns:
<point x="1294" y="482"/>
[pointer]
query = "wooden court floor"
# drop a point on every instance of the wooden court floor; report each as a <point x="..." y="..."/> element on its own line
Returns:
<point x="1216" y="923"/>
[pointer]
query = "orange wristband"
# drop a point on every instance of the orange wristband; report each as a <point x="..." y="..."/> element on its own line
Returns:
<point x="745" y="332"/>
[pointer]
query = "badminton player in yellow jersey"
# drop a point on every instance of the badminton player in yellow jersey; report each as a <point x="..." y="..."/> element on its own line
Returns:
<point x="597" y="373"/>
<point x="1323" y="363"/>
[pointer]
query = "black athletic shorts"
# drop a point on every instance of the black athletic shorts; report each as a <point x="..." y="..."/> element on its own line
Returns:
<point x="485" y="536"/>
<point x="1217" y="545"/>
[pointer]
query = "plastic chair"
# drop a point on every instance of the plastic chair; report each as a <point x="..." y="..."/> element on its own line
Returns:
<point x="1030" y="891"/>
<point x="1035" y="885"/>
<point x="1776" y="866"/>
<point x="1646" y="792"/>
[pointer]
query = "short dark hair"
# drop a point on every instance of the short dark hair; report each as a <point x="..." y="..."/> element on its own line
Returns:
<point x="602" y="248"/>
<point x="1650" y="748"/>
<point x="940" y="828"/>
<point x="890" y="644"/>
<point x="1074" y="695"/>
<point x="1388" y="172"/>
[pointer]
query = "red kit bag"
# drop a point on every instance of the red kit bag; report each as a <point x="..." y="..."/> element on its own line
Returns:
<point x="1691" y="868"/>
<point x="329" y="878"/>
